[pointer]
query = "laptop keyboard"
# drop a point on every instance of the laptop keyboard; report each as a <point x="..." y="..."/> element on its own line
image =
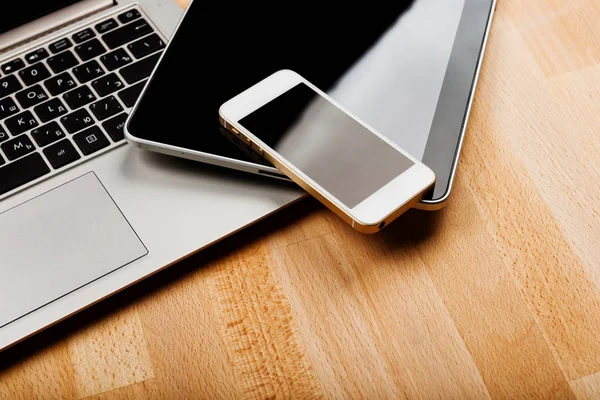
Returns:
<point x="66" y="101"/>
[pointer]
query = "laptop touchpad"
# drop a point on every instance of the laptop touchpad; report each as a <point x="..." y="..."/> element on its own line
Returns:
<point x="59" y="242"/>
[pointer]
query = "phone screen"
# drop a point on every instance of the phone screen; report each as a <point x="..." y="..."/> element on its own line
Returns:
<point x="326" y="144"/>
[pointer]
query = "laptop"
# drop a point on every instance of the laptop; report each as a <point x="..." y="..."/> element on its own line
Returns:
<point x="82" y="214"/>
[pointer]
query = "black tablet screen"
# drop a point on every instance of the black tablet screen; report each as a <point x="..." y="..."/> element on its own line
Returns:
<point x="387" y="62"/>
<point x="19" y="12"/>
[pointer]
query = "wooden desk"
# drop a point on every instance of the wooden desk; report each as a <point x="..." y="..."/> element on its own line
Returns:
<point x="495" y="296"/>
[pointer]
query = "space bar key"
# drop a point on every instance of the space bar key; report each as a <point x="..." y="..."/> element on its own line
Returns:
<point x="21" y="172"/>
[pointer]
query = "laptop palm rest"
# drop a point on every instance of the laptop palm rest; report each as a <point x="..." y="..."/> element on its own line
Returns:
<point x="60" y="241"/>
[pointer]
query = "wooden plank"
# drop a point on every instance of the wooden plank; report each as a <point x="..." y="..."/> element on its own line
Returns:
<point x="188" y="353"/>
<point x="531" y="12"/>
<point x="353" y="303"/>
<point x="110" y="354"/>
<point x="257" y="326"/>
<point x="142" y="390"/>
<point x="487" y="306"/>
<point x="567" y="42"/>
<point x="559" y="146"/>
<point x="46" y="373"/>
<point x="587" y="387"/>
<point x="556" y="284"/>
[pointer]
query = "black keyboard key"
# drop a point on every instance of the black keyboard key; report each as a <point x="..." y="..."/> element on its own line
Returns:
<point x="7" y="108"/>
<point x="2" y="162"/>
<point x="49" y="133"/>
<point x="60" y="84"/>
<point x="127" y="33"/>
<point x="3" y="135"/>
<point x="115" y="59"/>
<point x="60" y="45"/>
<point x="31" y="96"/>
<point x="62" y="62"/>
<point x="18" y="147"/>
<point x="90" y="49"/>
<point x="51" y="109"/>
<point x="77" y="121"/>
<point x="108" y="84"/>
<point x="91" y="140"/>
<point x="21" y="172"/>
<point x="129" y="16"/>
<point x="9" y="85"/>
<point x="61" y="154"/>
<point x="88" y="71"/>
<point x="140" y="70"/>
<point x="115" y="127"/>
<point x="37" y="55"/>
<point x="130" y="95"/>
<point x="13" y="66"/>
<point x="83" y="35"/>
<point x="79" y="97"/>
<point x="106" y="26"/>
<point x="146" y="46"/>
<point x="34" y="74"/>
<point x="21" y="123"/>
<point x="106" y="108"/>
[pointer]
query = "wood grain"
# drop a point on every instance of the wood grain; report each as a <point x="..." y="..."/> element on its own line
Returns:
<point x="496" y="296"/>
<point x="258" y="328"/>
<point x="587" y="387"/>
<point x="110" y="355"/>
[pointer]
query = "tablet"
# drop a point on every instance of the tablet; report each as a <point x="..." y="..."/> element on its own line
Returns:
<point x="408" y="69"/>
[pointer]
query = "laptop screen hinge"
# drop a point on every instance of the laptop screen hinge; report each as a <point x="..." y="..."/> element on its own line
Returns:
<point x="51" y="22"/>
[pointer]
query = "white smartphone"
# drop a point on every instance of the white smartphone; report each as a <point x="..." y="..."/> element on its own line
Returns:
<point x="355" y="171"/>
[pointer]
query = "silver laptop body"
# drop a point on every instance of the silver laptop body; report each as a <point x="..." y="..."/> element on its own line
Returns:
<point x="91" y="215"/>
